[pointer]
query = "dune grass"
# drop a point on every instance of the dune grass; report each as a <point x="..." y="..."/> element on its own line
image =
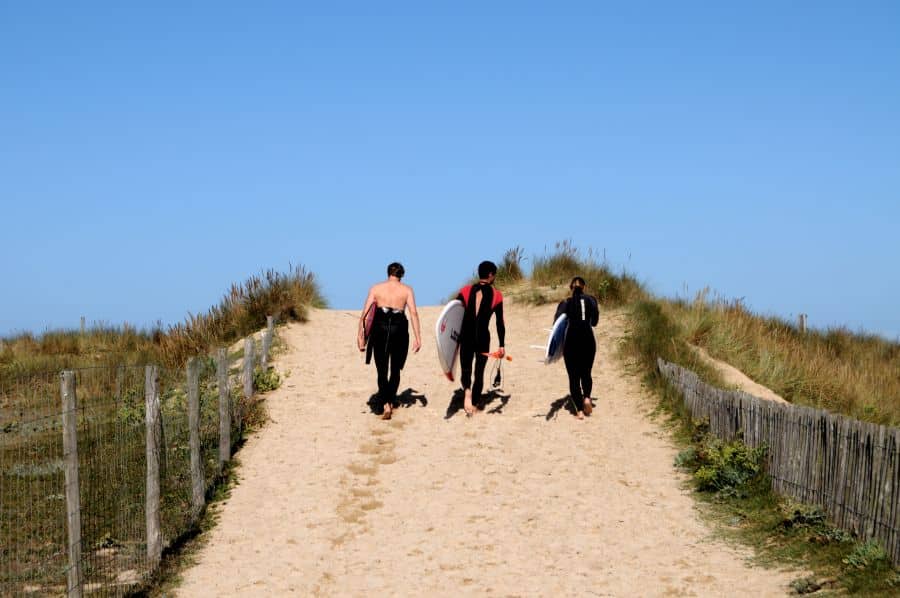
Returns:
<point x="854" y="374"/>
<point x="287" y="296"/>
<point x="550" y="275"/>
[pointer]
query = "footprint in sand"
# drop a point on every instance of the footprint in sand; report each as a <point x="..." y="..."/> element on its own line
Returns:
<point x="360" y="497"/>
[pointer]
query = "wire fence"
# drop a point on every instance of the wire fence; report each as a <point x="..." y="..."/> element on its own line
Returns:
<point x="849" y="468"/>
<point x="101" y="468"/>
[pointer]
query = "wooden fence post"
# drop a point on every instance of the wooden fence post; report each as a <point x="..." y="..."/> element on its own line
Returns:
<point x="82" y="326"/>
<point x="801" y="323"/>
<point x="248" y="367"/>
<point x="75" y="580"/>
<point x="224" y="409"/>
<point x="198" y="489"/>
<point x="267" y="342"/>
<point x="154" y="527"/>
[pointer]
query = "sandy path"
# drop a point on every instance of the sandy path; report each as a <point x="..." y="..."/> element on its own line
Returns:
<point x="734" y="377"/>
<point x="334" y="502"/>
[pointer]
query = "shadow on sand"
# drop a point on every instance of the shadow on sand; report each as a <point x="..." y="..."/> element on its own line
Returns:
<point x="456" y="402"/>
<point x="405" y="399"/>
<point x="558" y="404"/>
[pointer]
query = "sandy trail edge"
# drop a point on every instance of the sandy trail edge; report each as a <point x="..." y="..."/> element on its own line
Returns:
<point x="334" y="502"/>
<point x="737" y="378"/>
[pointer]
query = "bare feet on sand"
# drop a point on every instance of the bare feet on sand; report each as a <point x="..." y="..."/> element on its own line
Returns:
<point x="588" y="406"/>
<point x="468" y="407"/>
<point x="388" y="411"/>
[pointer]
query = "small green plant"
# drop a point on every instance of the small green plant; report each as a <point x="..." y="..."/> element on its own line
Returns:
<point x="866" y="555"/>
<point x="805" y="585"/>
<point x="803" y="516"/>
<point x="266" y="380"/>
<point x="727" y="466"/>
<point x="687" y="459"/>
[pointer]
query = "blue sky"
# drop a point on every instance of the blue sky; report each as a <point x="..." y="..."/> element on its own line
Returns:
<point x="152" y="155"/>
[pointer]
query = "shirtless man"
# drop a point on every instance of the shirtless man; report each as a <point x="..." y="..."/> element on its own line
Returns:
<point x="481" y="301"/>
<point x="389" y="337"/>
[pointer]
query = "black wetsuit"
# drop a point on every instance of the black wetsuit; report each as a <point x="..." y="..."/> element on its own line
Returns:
<point x="582" y="313"/>
<point x="390" y="342"/>
<point x="475" y="338"/>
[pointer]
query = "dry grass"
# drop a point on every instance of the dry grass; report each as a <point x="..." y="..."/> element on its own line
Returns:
<point x="241" y="311"/>
<point x="845" y="372"/>
<point x="548" y="281"/>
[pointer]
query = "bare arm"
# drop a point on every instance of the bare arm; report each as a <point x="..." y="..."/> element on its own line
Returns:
<point x="414" y="316"/>
<point x="360" y="335"/>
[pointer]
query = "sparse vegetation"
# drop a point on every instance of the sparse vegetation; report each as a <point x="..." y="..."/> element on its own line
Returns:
<point x="510" y="269"/>
<point x="287" y="296"/>
<point x="847" y="373"/>
<point x="265" y="380"/>
<point x="729" y="476"/>
<point x="111" y="429"/>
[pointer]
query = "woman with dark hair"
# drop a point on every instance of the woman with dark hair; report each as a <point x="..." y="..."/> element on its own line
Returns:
<point x="389" y="337"/>
<point x="582" y="313"/>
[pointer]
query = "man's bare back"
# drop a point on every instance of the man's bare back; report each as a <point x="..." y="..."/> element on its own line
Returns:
<point x="392" y="294"/>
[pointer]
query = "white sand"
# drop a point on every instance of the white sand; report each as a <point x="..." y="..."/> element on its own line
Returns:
<point x="333" y="501"/>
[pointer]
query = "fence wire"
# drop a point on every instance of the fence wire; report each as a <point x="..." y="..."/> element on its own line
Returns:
<point x="112" y="472"/>
<point x="112" y="475"/>
<point x="33" y="557"/>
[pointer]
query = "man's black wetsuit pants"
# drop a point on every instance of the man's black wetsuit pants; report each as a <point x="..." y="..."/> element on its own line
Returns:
<point x="390" y="338"/>
<point x="466" y="352"/>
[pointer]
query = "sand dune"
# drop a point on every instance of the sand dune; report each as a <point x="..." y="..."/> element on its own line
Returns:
<point x="522" y="500"/>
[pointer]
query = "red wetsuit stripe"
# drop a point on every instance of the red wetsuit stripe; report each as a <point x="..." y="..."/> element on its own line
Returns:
<point x="466" y="293"/>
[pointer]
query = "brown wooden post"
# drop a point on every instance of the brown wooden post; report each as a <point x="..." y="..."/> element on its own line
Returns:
<point x="75" y="579"/>
<point x="198" y="487"/>
<point x="224" y="409"/>
<point x="152" y="420"/>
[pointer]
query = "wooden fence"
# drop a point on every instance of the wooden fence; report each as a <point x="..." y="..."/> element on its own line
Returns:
<point x="135" y="465"/>
<point x="849" y="468"/>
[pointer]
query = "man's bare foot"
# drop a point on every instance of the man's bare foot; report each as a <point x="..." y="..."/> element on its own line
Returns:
<point x="588" y="406"/>
<point x="467" y="405"/>
<point x="580" y="415"/>
<point x="388" y="411"/>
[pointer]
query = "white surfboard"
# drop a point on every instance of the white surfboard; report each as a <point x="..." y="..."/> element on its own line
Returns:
<point x="557" y="339"/>
<point x="446" y="331"/>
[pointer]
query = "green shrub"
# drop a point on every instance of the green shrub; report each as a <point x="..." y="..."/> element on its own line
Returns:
<point x="866" y="555"/>
<point x="727" y="465"/>
<point x="266" y="380"/>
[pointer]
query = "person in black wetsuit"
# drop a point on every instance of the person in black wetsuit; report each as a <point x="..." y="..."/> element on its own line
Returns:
<point x="389" y="337"/>
<point x="481" y="301"/>
<point x="582" y="313"/>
